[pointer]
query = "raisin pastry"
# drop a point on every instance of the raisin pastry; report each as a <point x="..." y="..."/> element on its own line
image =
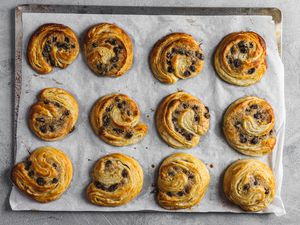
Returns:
<point x="240" y="58"/>
<point x="182" y="181"/>
<point x="250" y="184"/>
<point x="108" y="50"/>
<point x="117" y="180"/>
<point x="181" y="119"/>
<point x="115" y="118"/>
<point x="45" y="175"/>
<point x="248" y="126"/>
<point x="176" y="56"/>
<point x="52" y="45"/>
<point x="54" y="115"/>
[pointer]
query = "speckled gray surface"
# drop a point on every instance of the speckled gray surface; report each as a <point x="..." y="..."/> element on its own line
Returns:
<point x="291" y="184"/>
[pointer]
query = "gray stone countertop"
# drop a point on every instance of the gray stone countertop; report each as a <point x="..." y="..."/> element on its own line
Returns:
<point x="291" y="160"/>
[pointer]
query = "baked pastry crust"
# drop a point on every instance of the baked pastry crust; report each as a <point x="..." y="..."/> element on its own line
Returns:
<point x="240" y="58"/>
<point x="182" y="181"/>
<point x="176" y="56"/>
<point x="181" y="119"/>
<point x="117" y="180"/>
<point x="54" y="115"/>
<point x="250" y="184"/>
<point x="52" y="45"/>
<point x="45" y="175"/>
<point x="248" y="126"/>
<point x="108" y="50"/>
<point x="115" y="119"/>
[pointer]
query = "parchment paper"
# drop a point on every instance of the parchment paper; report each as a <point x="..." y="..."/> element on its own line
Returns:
<point x="84" y="147"/>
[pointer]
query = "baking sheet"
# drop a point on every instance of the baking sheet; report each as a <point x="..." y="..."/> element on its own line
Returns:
<point x="84" y="147"/>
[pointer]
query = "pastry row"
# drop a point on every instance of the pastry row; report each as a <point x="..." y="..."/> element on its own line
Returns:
<point x="240" y="58"/>
<point x="117" y="179"/>
<point x="181" y="120"/>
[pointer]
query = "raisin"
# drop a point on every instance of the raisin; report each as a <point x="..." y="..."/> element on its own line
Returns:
<point x="237" y="63"/>
<point x="54" y="165"/>
<point x="95" y="45"/>
<point x="187" y="73"/>
<point x="129" y="135"/>
<point x="112" y="187"/>
<point x="31" y="173"/>
<point x="255" y="182"/>
<point x="124" y="173"/>
<point x="54" y="180"/>
<point x="170" y="69"/>
<point x="180" y="193"/>
<point x="106" y="120"/>
<point x="191" y="176"/>
<point x="43" y="129"/>
<point x="185" y="105"/>
<point x="108" y="163"/>
<point x="188" y="136"/>
<point x="243" y="139"/>
<point x="196" y="118"/>
<point x="207" y="115"/>
<point x="192" y="68"/>
<point x="169" y="194"/>
<point x="40" y="181"/>
<point x="254" y="141"/>
<point x="118" y="130"/>
<point x="254" y="106"/>
<point x="267" y="191"/>
<point x="246" y="187"/>
<point x="113" y="41"/>
<point x="257" y="115"/>
<point x="52" y="128"/>
<point x="251" y="71"/>
<point x="195" y="107"/>
<point x="57" y="104"/>
<point x="171" y="173"/>
<point x="169" y="55"/>
<point x="207" y="109"/>
<point x="67" y="39"/>
<point x="99" y="185"/>
<point x="232" y="50"/>
<point x="114" y="59"/>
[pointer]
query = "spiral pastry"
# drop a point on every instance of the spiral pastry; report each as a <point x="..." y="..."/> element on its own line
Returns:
<point x="45" y="175"/>
<point x="250" y="184"/>
<point x="181" y="119"/>
<point x="240" y="58"/>
<point x="108" y="50"/>
<point x="115" y="118"/>
<point x="52" y="45"/>
<point x="54" y="115"/>
<point x="248" y="126"/>
<point x="176" y="56"/>
<point x="182" y="181"/>
<point x="117" y="180"/>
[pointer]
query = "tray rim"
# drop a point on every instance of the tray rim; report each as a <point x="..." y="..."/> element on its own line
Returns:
<point x="274" y="12"/>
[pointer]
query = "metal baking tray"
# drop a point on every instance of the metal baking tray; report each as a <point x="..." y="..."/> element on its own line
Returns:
<point x="273" y="12"/>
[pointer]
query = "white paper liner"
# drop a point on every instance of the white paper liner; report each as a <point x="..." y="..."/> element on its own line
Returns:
<point x="84" y="147"/>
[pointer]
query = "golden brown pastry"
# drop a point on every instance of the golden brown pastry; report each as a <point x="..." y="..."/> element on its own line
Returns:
<point x="240" y="58"/>
<point x="108" y="50"/>
<point x="182" y="181"/>
<point x="250" y="184"/>
<point x="176" y="56"/>
<point x="181" y="119"/>
<point x="248" y="126"/>
<point x="54" y="115"/>
<point x="52" y="45"/>
<point x="45" y="175"/>
<point x="115" y="118"/>
<point x="117" y="179"/>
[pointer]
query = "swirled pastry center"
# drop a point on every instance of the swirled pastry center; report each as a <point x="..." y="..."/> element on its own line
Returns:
<point x="56" y="48"/>
<point x="108" y="54"/>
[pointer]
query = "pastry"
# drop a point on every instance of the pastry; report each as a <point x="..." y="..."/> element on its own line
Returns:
<point x="54" y="115"/>
<point x="45" y="175"/>
<point x="108" y="50"/>
<point x="182" y="181"/>
<point x="240" y="58"/>
<point x="248" y="126"/>
<point x="181" y="119"/>
<point x="117" y="180"/>
<point x="176" y="56"/>
<point x="52" y="45"/>
<point x="250" y="184"/>
<point x="115" y="119"/>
